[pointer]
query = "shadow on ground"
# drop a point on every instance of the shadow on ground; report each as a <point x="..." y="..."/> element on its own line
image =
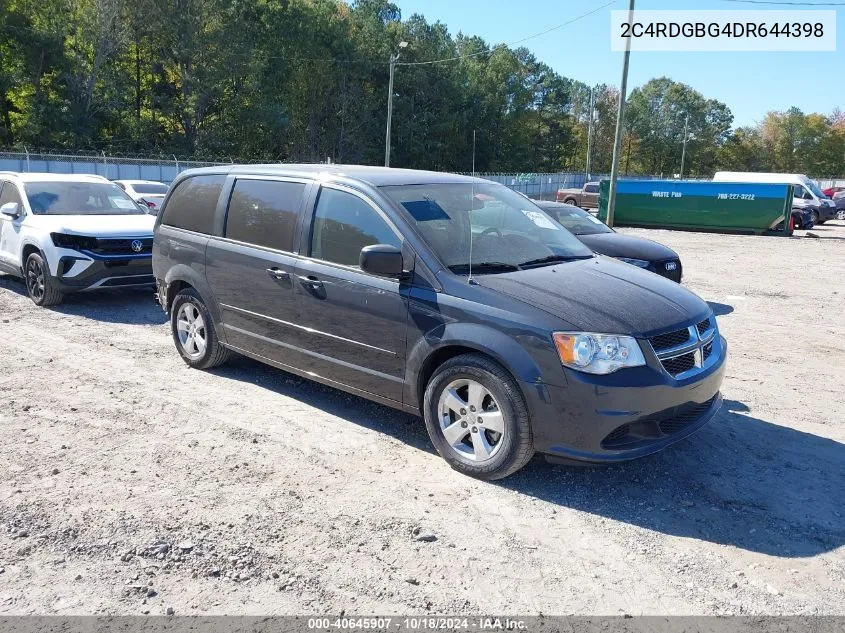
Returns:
<point x="741" y="481"/>
<point x="133" y="306"/>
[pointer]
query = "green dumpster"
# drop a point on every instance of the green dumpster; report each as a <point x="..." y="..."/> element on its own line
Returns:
<point x="728" y="207"/>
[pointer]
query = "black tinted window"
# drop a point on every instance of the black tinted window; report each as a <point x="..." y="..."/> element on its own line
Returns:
<point x="591" y="188"/>
<point x="9" y="193"/>
<point x="343" y="225"/>
<point x="193" y="203"/>
<point x="264" y="212"/>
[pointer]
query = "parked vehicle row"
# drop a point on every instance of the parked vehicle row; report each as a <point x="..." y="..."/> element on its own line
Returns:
<point x="587" y="197"/>
<point x="447" y="296"/>
<point x="148" y="193"/>
<point x="69" y="233"/>
<point x="806" y="194"/>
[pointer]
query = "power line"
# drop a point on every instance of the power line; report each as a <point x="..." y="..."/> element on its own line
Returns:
<point x="524" y="39"/>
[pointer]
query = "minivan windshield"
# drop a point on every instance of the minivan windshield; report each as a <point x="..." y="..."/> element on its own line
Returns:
<point x="508" y="232"/>
<point x="79" y="198"/>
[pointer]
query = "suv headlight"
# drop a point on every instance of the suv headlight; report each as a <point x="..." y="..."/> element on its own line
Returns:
<point x="75" y="242"/>
<point x="640" y="263"/>
<point x="597" y="353"/>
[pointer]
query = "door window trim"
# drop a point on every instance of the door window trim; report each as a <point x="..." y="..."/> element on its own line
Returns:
<point x="309" y="233"/>
<point x="229" y="189"/>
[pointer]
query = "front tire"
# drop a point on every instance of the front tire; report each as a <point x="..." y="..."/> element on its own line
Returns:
<point x="193" y="332"/>
<point x="477" y="418"/>
<point x="39" y="283"/>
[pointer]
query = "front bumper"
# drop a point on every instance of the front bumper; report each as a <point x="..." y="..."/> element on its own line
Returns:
<point x="827" y="213"/>
<point x="104" y="273"/>
<point x="624" y="415"/>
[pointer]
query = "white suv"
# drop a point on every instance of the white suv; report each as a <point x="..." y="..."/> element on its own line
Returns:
<point x="67" y="233"/>
<point x="148" y="193"/>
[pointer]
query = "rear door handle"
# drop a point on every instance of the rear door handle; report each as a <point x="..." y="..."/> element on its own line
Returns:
<point x="278" y="273"/>
<point x="310" y="282"/>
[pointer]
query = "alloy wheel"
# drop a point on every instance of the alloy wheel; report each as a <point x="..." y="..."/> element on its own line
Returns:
<point x="471" y="420"/>
<point x="191" y="330"/>
<point x="35" y="279"/>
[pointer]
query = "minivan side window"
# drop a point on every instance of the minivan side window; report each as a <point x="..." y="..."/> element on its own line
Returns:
<point x="264" y="212"/>
<point x="193" y="204"/>
<point x="343" y="225"/>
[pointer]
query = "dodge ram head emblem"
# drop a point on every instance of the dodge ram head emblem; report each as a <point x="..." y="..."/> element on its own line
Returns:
<point x="137" y="246"/>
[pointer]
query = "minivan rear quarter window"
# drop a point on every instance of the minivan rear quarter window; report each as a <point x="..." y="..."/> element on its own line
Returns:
<point x="193" y="203"/>
<point x="343" y="225"/>
<point x="264" y="212"/>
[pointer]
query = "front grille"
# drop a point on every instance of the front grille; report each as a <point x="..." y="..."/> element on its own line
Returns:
<point x="129" y="280"/>
<point x="708" y="349"/>
<point x="669" y="339"/>
<point x="685" y="418"/>
<point x="121" y="246"/>
<point x="703" y="326"/>
<point x="679" y="364"/>
<point x="656" y="427"/>
<point x="674" y="275"/>
<point x="616" y="435"/>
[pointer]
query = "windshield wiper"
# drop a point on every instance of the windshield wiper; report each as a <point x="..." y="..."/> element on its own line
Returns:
<point x="483" y="267"/>
<point x="553" y="259"/>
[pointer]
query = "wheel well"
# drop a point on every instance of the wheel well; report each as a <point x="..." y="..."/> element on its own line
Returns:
<point x="173" y="289"/>
<point x="28" y="250"/>
<point x="569" y="201"/>
<point x="436" y="359"/>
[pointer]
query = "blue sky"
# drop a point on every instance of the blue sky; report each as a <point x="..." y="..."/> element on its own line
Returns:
<point x="750" y="84"/>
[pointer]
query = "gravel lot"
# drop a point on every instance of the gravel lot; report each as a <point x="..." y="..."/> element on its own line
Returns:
<point x="132" y="484"/>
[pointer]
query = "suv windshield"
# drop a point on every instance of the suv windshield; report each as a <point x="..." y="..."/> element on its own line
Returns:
<point x="508" y="231"/>
<point x="79" y="198"/>
<point x="577" y="221"/>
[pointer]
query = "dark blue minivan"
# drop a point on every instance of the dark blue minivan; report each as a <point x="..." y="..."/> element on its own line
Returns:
<point x="430" y="292"/>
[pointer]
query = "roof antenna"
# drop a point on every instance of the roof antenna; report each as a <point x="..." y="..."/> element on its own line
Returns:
<point x="470" y="280"/>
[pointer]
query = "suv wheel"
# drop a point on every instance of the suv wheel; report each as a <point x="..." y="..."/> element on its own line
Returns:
<point x="39" y="283"/>
<point x="477" y="418"/>
<point x="193" y="332"/>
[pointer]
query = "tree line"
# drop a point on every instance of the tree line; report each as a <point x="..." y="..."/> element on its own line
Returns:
<point x="306" y="80"/>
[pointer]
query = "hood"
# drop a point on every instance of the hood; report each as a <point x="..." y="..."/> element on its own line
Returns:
<point x="616" y="245"/>
<point x="602" y="295"/>
<point x="140" y="225"/>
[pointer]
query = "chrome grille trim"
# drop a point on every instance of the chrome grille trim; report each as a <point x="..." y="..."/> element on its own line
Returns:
<point x="695" y="345"/>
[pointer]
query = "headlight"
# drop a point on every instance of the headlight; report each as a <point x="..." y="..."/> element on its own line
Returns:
<point x="597" y="353"/>
<point x="75" y="242"/>
<point x="640" y="263"/>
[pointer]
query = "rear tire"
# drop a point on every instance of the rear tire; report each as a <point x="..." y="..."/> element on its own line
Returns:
<point x="571" y="201"/>
<point x="39" y="283"/>
<point x="193" y="332"/>
<point x="477" y="418"/>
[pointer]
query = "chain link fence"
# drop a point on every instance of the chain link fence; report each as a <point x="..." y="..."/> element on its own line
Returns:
<point x="112" y="167"/>
<point x="164" y="169"/>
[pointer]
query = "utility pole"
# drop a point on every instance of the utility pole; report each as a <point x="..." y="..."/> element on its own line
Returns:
<point x="590" y="136"/>
<point x="620" y="123"/>
<point x="393" y="58"/>
<point x="684" y="150"/>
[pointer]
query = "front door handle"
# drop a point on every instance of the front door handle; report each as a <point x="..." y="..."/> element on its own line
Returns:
<point x="278" y="273"/>
<point x="311" y="282"/>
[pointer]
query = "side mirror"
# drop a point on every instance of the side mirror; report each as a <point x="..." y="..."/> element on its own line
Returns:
<point x="381" y="259"/>
<point x="808" y="195"/>
<point x="11" y="209"/>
